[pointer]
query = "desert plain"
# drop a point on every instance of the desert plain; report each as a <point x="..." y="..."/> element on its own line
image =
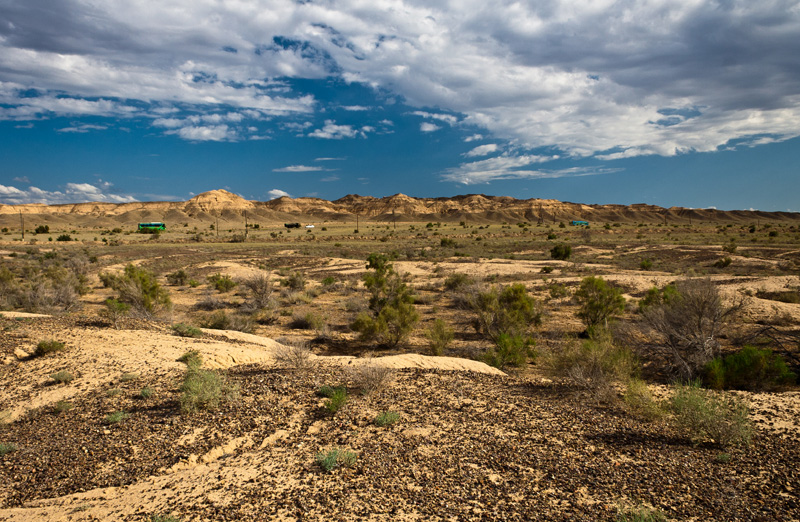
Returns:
<point x="101" y="429"/>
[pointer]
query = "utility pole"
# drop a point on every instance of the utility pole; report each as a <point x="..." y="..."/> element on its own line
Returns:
<point x="22" y="225"/>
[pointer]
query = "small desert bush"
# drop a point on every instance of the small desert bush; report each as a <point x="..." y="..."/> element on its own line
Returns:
<point x="129" y="376"/>
<point x="204" y="390"/>
<point x="185" y="330"/>
<point x="7" y="447"/>
<point x="506" y="310"/>
<point x="725" y="262"/>
<point x="336" y="400"/>
<point x="295" y="355"/>
<point x="370" y="377"/>
<point x="210" y="303"/>
<point x="392" y="316"/>
<point x="222" y="283"/>
<point x="164" y="518"/>
<point x="62" y="406"/>
<point x="327" y="391"/>
<point x="683" y="324"/>
<point x="192" y="359"/>
<point x="600" y="303"/>
<point x="594" y="365"/>
<point x="640" y="514"/>
<point x="509" y="350"/>
<point x="640" y="402"/>
<point x="48" y="347"/>
<point x="749" y="369"/>
<point x="439" y="337"/>
<point x="705" y="414"/>
<point x="386" y="418"/>
<point x="335" y="458"/>
<point x="140" y="289"/>
<point x="309" y="321"/>
<point x="220" y="320"/>
<point x="114" y="310"/>
<point x="261" y="293"/>
<point x="457" y="281"/>
<point x="295" y="281"/>
<point x="561" y="252"/>
<point x="146" y="392"/>
<point x="116" y="417"/>
<point x="558" y="291"/>
<point x="178" y="278"/>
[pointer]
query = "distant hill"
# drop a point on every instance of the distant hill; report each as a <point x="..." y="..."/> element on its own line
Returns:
<point x="221" y="204"/>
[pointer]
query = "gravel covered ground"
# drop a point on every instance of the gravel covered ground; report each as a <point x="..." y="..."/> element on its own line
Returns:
<point x="467" y="447"/>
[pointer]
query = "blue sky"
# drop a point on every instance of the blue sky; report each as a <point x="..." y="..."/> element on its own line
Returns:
<point x="685" y="103"/>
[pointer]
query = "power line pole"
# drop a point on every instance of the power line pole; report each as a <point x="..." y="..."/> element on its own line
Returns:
<point x="22" y="225"/>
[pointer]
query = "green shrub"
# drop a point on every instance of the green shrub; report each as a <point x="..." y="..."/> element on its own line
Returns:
<point x="64" y="237"/>
<point x="127" y="377"/>
<point x="220" y="320"/>
<point x="309" y="321"/>
<point x="42" y="229"/>
<point x="336" y="400"/>
<point x="185" y="330"/>
<point x="62" y="377"/>
<point x="146" y="392"/>
<point x="164" y="518"/>
<point x="62" y="406"/>
<point x="457" y="281"/>
<point x="509" y="350"/>
<point x="116" y="417"/>
<point x="640" y="402"/>
<point x="599" y="303"/>
<point x="640" y="514"/>
<point x="222" y="283"/>
<point x="178" y="278"/>
<point x="439" y="337"/>
<point x="547" y="269"/>
<point x="705" y="414"/>
<point x="446" y="242"/>
<point x="328" y="391"/>
<point x="140" y="289"/>
<point x="386" y="418"/>
<point x="192" y="359"/>
<point x="507" y="310"/>
<point x="114" y="310"/>
<point x="48" y="347"/>
<point x="558" y="291"/>
<point x="749" y="369"/>
<point x="328" y="281"/>
<point x="7" y="447"/>
<point x="561" y="252"/>
<point x="656" y="296"/>
<point x="646" y="264"/>
<point x="336" y="458"/>
<point x="723" y="263"/>
<point x="594" y="365"/>
<point x="392" y="315"/>
<point x="204" y="390"/>
<point x="295" y="281"/>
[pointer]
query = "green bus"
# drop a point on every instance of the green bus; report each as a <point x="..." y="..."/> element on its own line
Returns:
<point x="152" y="227"/>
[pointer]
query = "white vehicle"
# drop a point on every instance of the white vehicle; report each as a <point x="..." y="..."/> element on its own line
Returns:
<point x="309" y="226"/>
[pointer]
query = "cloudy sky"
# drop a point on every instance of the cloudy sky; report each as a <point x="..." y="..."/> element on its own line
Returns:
<point x="671" y="102"/>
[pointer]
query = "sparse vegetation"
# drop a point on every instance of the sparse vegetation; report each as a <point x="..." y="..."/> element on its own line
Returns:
<point x="140" y="289"/>
<point x="561" y="252"/>
<point x="392" y="314"/>
<point x="439" y="337"/>
<point x="295" y="355"/>
<point x="386" y="418"/>
<point x="336" y="399"/>
<point x="47" y="347"/>
<point x="185" y="330"/>
<point x="370" y="377"/>
<point x="749" y="369"/>
<point x="62" y="377"/>
<point x="707" y="415"/>
<point x="599" y="303"/>
<point x="116" y="417"/>
<point x="336" y="458"/>
<point x="7" y="447"/>
<point x="204" y="390"/>
<point x="222" y="283"/>
<point x="685" y="324"/>
<point x="506" y="310"/>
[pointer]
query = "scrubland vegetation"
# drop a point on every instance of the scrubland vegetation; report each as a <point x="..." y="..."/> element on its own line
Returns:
<point x="666" y="328"/>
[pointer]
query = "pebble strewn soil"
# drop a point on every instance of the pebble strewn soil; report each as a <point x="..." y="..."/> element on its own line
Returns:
<point x="467" y="447"/>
